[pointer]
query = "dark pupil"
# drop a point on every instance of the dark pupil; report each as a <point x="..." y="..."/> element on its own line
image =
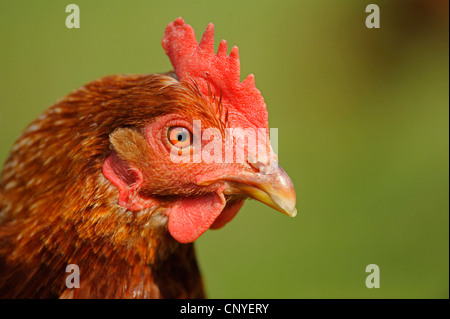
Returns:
<point x="181" y="137"/>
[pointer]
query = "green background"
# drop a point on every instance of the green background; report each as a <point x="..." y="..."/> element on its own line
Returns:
<point x="363" y="129"/>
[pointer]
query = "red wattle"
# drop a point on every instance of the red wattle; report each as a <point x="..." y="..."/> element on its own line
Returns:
<point x="228" y="213"/>
<point x="191" y="217"/>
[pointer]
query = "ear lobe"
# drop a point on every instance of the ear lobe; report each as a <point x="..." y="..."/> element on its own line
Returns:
<point x="126" y="178"/>
<point x="120" y="167"/>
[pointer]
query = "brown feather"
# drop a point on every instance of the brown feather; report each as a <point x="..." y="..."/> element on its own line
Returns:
<point x="56" y="207"/>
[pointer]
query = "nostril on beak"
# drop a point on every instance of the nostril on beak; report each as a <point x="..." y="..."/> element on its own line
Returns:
<point x="263" y="165"/>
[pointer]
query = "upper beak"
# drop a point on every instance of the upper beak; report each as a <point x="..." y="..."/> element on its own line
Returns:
<point x="275" y="189"/>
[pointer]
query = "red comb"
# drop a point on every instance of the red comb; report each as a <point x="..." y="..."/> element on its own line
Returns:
<point x="198" y="62"/>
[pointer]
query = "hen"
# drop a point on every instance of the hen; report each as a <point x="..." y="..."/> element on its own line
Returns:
<point x="124" y="174"/>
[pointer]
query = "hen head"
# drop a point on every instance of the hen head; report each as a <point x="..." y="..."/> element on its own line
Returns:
<point x="203" y="159"/>
<point x="191" y="145"/>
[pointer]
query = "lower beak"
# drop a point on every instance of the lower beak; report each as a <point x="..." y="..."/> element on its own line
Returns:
<point x="275" y="189"/>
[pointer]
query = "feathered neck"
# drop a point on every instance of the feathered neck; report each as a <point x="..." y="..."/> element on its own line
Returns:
<point x="56" y="207"/>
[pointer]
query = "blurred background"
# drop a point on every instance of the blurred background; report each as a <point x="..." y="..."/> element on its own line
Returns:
<point x="362" y="118"/>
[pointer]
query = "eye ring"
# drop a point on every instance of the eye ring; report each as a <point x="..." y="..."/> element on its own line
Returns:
<point x="179" y="137"/>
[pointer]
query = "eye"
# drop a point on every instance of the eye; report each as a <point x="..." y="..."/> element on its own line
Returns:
<point x="179" y="136"/>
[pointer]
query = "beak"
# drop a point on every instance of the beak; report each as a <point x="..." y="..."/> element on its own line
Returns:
<point x="275" y="189"/>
